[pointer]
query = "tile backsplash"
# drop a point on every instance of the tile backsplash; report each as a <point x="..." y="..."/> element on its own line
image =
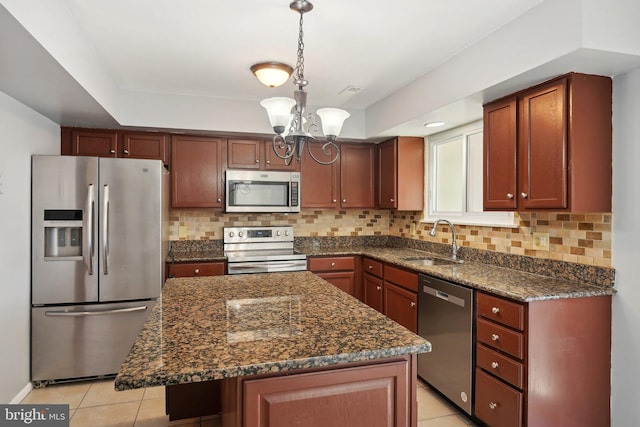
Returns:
<point x="579" y="238"/>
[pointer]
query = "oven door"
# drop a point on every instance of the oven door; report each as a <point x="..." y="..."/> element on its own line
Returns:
<point x="266" y="266"/>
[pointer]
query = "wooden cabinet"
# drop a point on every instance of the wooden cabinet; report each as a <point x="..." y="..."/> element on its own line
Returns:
<point x="400" y="174"/>
<point x="256" y="154"/>
<point x="195" y="269"/>
<point x="550" y="147"/>
<point x="392" y="291"/>
<point x="114" y="143"/>
<point x="197" y="166"/>
<point x="347" y="183"/>
<point x="339" y="271"/>
<point x="544" y="362"/>
<point x="377" y="393"/>
<point x="357" y="180"/>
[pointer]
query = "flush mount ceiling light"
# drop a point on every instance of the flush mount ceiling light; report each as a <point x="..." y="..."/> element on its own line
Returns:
<point x="272" y="74"/>
<point x="434" y="124"/>
<point x="288" y="117"/>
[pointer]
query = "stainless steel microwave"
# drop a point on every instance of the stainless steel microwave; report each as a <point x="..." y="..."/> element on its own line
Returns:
<point x="262" y="191"/>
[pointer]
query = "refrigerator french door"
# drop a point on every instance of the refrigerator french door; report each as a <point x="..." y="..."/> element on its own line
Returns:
<point x="98" y="244"/>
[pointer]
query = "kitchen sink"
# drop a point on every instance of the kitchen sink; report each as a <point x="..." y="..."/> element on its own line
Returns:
<point x="430" y="261"/>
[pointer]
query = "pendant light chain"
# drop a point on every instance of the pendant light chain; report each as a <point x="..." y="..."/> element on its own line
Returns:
<point x="300" y="63"/>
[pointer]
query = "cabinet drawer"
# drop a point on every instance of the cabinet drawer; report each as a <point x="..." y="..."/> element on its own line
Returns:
<point x="499" y="365"/>
<point x="497" y="404"/>
<point x="197" y="269"/>
<point x="372" y="267"/>
<point x="499" y="310"/>
<point x="332" y="263"/>
<point x="400" y="277"/>
<point x="501" y="338"/>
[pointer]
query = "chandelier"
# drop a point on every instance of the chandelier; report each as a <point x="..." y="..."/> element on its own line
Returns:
<point x="288" y="117"/>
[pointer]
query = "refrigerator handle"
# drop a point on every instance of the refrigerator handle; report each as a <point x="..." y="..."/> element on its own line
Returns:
<point x="90" y="224"/>
<point x="93" y="313"/>
<point x="105" y="230"/>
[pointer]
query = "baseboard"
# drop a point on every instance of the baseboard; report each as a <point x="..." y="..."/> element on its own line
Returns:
<point x="22" y="394"/>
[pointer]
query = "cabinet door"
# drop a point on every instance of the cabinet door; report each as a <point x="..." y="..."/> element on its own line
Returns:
<point x="357" y="183"/>
<point x="274" y="163"/>
<point x="344" y="280"/>
<point x="373" y="292"/>
<point x="388" y="174"/>
<point x="500" y="155"/>
<point x="94" y="143"/>
<point x="244" y="153"/>
<point x="145" y="146"/>
<point x="543" y="147"/>
<point x="320" y="183"/>
<point x="401" y="305"/>
<point x="196" y="180"/>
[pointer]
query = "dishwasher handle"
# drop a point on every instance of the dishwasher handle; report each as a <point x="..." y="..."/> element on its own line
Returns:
<point x="443" y="295"/>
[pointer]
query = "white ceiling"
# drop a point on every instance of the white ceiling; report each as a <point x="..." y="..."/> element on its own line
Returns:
<point x="202" y="50"/>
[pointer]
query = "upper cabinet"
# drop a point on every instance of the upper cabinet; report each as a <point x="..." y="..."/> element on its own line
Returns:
<point x="113" y="143"/>
<point x="401" y="174"/>
<point x="196" y="178"/>
<point x="549" y="147"/>
<point x="320" y="184"/>
<point x="256" y="154"/>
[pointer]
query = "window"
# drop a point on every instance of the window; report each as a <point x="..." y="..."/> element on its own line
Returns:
<point x="454" y="180"/>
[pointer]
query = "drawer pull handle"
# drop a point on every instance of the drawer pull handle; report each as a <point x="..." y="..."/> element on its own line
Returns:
<point x="495" y="310"/>
<point x="493" y="405"/>
<point x="196" y="271"/>
<point x="494" y="337"/>
<point x="494" y="365"/>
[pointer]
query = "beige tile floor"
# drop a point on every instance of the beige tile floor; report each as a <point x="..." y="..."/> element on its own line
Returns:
<point x="97" y="404"/>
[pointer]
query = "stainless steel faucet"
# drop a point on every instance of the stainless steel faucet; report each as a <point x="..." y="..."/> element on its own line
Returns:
<point x="454" y="245"/>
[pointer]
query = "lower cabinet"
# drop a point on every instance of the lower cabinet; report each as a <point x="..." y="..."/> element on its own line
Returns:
<point x="543" y="363"/>
<point x="375" y="394"/>
<point x="193" y="399"/>
<point x="339" y="271"/>
<point x="392" y="291"/>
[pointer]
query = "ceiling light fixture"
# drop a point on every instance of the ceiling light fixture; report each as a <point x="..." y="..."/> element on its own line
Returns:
<point x="287" y="116"/>
<point x="434" y="124"/>
<point x="272" y="74"/>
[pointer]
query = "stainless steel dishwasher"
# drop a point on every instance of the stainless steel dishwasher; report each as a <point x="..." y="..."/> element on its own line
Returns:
<point x="445" y="318"/>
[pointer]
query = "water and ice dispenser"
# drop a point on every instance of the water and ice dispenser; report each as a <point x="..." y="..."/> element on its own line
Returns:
<point x="62" y="234"/>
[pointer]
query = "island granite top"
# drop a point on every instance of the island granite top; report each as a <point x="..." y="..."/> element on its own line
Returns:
<point x="209" y="328"/>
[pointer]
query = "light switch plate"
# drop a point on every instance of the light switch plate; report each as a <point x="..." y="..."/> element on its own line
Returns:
<point x="541" y="241"/>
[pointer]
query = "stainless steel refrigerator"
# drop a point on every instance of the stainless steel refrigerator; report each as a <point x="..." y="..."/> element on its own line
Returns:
<point x="99" y="239"/>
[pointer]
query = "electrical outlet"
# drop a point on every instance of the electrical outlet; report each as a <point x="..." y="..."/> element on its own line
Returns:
<point x="412" y="228"/>
<point x="541" y="241"/>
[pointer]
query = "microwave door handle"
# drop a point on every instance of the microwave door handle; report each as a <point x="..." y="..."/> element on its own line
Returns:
<point x="105" y="230"/>
<point x="90" y="212"/>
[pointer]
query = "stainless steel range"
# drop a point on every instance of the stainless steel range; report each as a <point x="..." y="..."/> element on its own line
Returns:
<point x="261" y="250"/>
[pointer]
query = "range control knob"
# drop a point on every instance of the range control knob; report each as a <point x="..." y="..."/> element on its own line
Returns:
<point x="286" y="233"/>
<point x="278" y="233"/>
<point x="240" y="234"/>
<point x="231" y="234"/>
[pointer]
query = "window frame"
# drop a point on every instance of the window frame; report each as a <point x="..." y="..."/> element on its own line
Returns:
<point x="485" y="218"/>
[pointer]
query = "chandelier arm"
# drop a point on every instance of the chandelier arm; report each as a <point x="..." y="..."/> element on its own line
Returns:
<point x="280" y="142"/>
<point x="326" y="149"/>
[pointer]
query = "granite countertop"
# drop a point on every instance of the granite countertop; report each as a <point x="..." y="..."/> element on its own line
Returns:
<point x="209" y="328"/>
<point x="510" y="283"/>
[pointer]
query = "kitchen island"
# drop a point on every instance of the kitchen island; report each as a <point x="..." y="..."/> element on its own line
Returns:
<point x="289" y="347"/>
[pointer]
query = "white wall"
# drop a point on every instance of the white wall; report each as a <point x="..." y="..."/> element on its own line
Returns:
<point x="625" y="374"/>
<point x="23" y="132"/>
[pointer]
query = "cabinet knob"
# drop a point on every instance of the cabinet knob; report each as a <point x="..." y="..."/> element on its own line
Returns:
<point x="371" y="267"/>
<point x="495" y="337"/>
<point x="524" y="195"/>
<point x="413" y="303"/>
<point x="334" y="200"/>
<point x="126" y="152"/>
<point x="494" y="365"/>
<point x="196" y="271"/>
<point x="378" y="288"/>
<point x="391" y="200"/>
<point x="257" y="161"/>
<point x="333" y="264"/>
<point x="509" y="196"/>
<point x="493" y="405"/>
<point x="268" y="162"/>
<point x="495" y="310"/>
<point x="219" y="200"/>
<point x="112" y="151"/>
<point x="344" y="200"/>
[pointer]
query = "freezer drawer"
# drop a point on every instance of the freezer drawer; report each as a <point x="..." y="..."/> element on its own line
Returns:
<point x="83" y="340"/>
